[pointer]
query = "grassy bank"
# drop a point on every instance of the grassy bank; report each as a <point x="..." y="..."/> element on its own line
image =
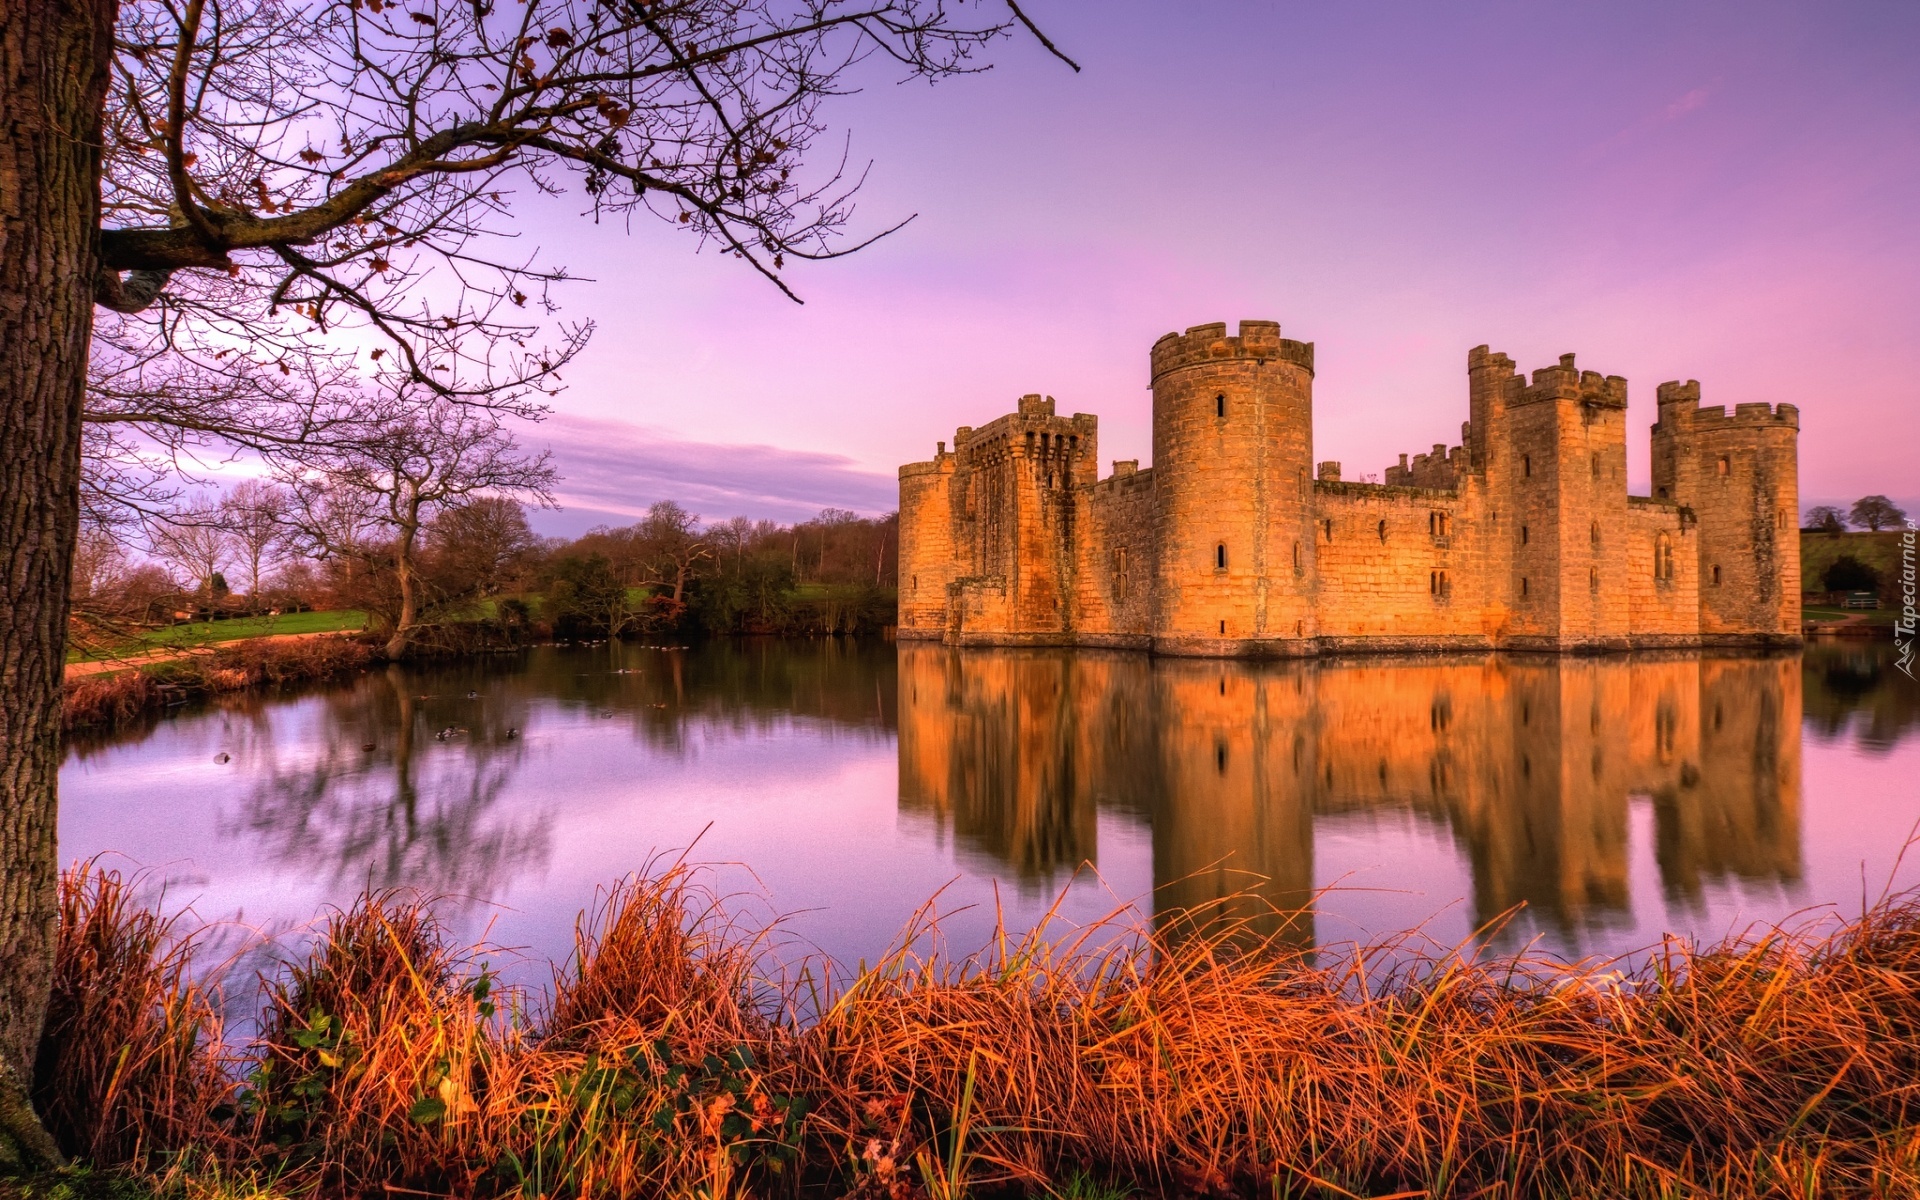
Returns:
<point x="109" y="699"/>
<point x="659" y="1063"/>
<point x="194" y="634"/>
<point x="1880" y="551"/>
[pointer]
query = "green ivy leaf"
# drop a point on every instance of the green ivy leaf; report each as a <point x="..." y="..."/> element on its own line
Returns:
<point x="427" y="1109"/>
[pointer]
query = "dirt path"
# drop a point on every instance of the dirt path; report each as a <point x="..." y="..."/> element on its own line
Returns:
<point x="80" y="670"/>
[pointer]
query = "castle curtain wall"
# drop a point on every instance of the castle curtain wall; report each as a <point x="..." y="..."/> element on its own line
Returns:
<point x="1114" y="561"/>
<point x="1399" y="566"/>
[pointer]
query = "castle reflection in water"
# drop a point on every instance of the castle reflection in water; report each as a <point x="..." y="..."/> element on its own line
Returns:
<point x="1529" y="762"/>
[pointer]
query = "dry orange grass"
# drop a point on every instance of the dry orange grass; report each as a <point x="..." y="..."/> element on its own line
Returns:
<point x="131" y="1064"/>
<point x="661" y="1064"/>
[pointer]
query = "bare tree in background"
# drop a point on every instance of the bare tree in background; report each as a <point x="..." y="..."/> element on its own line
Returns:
<point x="271" y="187"/>
<point x="1826" y="518"/>
<point x="479" y="544"/>
<point x="99" y="563"/>
<point x="194" y="538"/>
<point x="406" y="464"/>
<point x="254" y="512"/>
<point x="672" y="550"/>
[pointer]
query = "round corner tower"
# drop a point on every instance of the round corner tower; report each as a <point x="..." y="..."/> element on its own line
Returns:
<point x="1232" y="463"/>
<point x="926" y="545"/>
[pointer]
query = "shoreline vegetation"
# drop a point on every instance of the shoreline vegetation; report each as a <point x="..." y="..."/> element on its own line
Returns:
<point x="1183" y="1057"/>
<point x="109" y="699"/>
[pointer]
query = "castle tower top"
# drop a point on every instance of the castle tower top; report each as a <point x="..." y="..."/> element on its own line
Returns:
<point x="1564" y="381"/>
<point x="1680" y="405"/>
<point x="1257" y="340"/>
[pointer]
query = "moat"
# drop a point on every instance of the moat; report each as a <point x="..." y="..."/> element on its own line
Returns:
<point x="1606" y="800"/>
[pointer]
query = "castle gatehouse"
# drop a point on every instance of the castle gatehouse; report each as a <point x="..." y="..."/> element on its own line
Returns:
<point x="1234" y="543"/>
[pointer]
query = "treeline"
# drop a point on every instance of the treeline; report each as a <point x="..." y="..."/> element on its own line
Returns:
<point x="668" y="574"/>
<point x="475" y="569"/>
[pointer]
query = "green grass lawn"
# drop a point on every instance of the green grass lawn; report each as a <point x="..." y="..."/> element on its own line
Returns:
<point x="1871" y="616"/>
<point x="207" y="633"/>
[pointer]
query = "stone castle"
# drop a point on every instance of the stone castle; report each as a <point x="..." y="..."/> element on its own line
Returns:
<point x="1232" y="544"/>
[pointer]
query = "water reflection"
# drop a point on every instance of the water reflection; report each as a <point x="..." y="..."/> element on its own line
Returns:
<point x="1854" y="688"/>
<point x="409" y="779"/>
<point x="405" y="788"/>
<point x="1528" y="764"/>
<point x="1615" y="798"/>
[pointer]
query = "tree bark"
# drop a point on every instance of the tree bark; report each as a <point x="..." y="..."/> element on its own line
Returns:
<point x="54" y="57"/>
<point x="403" y="570"/>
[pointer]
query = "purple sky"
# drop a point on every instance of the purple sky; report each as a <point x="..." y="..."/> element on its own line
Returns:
<point x="1727" y="192"/>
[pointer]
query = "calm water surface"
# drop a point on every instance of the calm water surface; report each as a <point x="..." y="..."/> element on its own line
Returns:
<point x="843" y="784"/>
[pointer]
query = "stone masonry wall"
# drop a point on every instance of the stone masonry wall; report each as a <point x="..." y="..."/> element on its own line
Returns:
<point x="1662" y="573"/>
<point x="926" y="545"/>
<point x="1233" y="454"/>
<point x="1739" y="475"/>
<point x="1396" y="565"/>
<point x="1113" y="576"/>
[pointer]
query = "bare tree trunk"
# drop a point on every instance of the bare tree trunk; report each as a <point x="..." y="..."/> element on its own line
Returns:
<point x="54" y="56"/>
<point x="409" y="592"/>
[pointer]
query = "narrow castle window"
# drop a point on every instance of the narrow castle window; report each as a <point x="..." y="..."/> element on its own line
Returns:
<point x="1220" y="405"/>
<point x="1220" y="557"/>
<point x="916" y="585"/>
<point x="1663" y="559"/>
<point x="1716" y="575"/>
<point x="1593" y="579"/>
<point x="1526" y="465"/>
<point x="1726" y="465"/>
<point x="1223" y="629"/>
<point x="1383" y="531"/>
<point x="1523" y="587"/>
<point x="1296" y="558"/>
<point x="1593" y="535"/>
<point x="1438" y="585"/>
<point x="1328" y="526"/>
<point x="1523" y="535"/>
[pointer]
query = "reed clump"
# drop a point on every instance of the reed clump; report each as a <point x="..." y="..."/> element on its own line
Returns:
<point x="1211" y="1061"/>
<point x="132" y="1062"/>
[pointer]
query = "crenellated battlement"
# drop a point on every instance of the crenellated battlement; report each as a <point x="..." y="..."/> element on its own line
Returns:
<point x="1483" y="358"/>
<point x="943" y="464"/>
<point x="1680" y="405"/>
<point x="1564" y="381"/>
<point x="1674" y="392"/>
<point x="1757" y="415"/>
<point x="1257" y="340"/>
<point x="1440" y="468"/>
